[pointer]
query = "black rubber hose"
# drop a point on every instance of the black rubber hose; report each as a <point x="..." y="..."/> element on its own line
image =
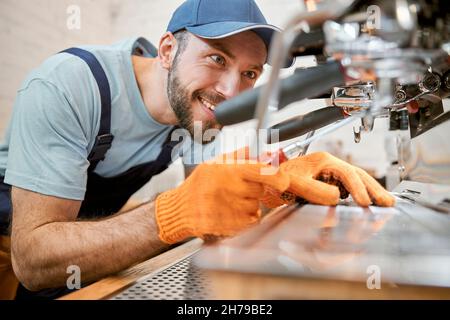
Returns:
<point x="303" y="124"/>
<point x="304" y="83"/>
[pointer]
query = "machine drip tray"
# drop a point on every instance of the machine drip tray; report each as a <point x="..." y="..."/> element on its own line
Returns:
<point x="182" y="281"/>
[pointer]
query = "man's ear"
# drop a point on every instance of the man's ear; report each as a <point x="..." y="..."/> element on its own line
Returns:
<point x="167" y="50"/>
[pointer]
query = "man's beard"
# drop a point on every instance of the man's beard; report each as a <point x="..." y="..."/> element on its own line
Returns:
<point x="181" y="103"/>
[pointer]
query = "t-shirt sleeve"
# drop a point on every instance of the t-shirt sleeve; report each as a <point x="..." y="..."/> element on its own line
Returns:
<point x="49" y="143"/>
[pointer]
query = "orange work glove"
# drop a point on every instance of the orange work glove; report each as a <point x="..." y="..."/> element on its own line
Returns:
<point x="215" y="200"/>
<point x="308" y="172"/>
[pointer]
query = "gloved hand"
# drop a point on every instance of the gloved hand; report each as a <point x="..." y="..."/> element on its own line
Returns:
<point x="215" y="200"/>
<point x="308" y="172"/>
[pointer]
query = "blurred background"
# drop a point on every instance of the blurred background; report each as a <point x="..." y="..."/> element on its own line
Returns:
<point x="31" y="31"/>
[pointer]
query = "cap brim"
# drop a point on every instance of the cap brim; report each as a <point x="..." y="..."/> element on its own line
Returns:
<point x="219" y="30"/>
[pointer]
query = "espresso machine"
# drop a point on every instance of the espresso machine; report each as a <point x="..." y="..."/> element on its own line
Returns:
<point x="375" y="60"/>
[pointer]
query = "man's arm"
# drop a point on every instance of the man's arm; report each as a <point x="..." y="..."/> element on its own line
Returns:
<point x="46" y="239"/>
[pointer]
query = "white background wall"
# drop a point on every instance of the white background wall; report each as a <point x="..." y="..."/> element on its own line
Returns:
<point x="30" y="31"/>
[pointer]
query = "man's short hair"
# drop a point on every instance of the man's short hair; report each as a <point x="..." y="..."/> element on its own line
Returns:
<point x="182" y="38"/>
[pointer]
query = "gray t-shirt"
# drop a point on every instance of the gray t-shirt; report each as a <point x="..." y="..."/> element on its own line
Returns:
<point x="56" y="119"/>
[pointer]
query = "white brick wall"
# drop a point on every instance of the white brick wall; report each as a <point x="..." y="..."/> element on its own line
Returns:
<point x="30" y="31"/>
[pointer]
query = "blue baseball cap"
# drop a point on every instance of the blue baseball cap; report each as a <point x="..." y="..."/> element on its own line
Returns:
<point x="216" y="19"/>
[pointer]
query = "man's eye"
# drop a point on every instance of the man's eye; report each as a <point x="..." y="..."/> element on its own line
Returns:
<point x="250" y="74"/>
<point x="218" y="59"/>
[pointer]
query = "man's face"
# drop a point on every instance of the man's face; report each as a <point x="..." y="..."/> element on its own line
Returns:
<point x="210" y="71"/>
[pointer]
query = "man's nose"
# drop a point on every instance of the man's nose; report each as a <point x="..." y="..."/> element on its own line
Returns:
<point x="229" y="84"/>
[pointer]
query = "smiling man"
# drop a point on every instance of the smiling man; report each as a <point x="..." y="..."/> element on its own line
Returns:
<point x="198" y="79"/>
<point x="92" y="125"/>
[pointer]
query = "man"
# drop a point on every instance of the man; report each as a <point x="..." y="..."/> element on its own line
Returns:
<point x="121" y="103"/>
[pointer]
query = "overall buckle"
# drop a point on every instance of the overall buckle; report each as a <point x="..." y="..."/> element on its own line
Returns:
<point x="102" y="145"/>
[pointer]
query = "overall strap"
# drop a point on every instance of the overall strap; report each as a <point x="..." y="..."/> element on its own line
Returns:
<point x="165" y="156"/>
<point x="104" y="137"/>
